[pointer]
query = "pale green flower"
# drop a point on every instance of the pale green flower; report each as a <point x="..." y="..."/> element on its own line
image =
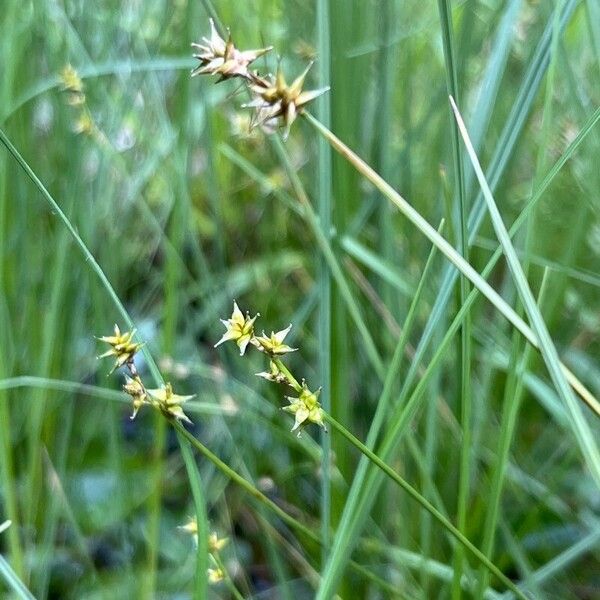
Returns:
<point x="274" y="99"/>
<point x="220" y="57"/>
<point x="122" y="347"/>
<point x="170" y="403"/>
<point x="273" y="344"/>
<point x="215" y="575"/>
<point x="191" y="527"/>
<point x="240" y="329"/>
<point x="215" y="545"/>
<point x="306" y="408"/>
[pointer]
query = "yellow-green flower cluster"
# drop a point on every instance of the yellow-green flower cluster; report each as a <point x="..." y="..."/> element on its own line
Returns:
<point x="216" y="573"/>
<point x="124" y="349"/>
<point x="305" y="408"/>
<point x="220" y="57"/>
<point x="274" y="100"/>
<point x="72" y="85"/>
<point x="169" y="403"/>
<point x="240" y="329"/>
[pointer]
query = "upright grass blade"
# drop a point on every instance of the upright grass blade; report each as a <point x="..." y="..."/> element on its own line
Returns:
<point x="449" y="252"/>
<point x="544" y="342"/>
<point x="490" y="85"/>
<point x="13" y="581"/>
<point x="505" y="146"/>
<point x="512" y="402"/>
<point x="332" y="261"/>
<point x="340" y="543"/>
<point x="465" y="341"/>
<point x="426" y="505"/>
<point x="363" y="490"/>
<point x="324" y="180"/>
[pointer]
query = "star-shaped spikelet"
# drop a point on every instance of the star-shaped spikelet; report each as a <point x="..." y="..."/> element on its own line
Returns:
<point x="306" y="409"/>
<point x="239" y="328"/>
<point x="273" y="344"/>
<point x="275" y="100"/>
<point x="135" y="388"/>
<point x="122" y="347"/>
<point x="170" y="403"/>
<point x="220" y="57"/>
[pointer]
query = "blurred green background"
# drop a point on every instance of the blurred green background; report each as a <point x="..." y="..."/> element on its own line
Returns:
<point x="185" y="208"/>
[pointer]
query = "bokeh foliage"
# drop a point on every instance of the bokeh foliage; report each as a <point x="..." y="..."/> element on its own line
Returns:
<point x="186" y="209"/>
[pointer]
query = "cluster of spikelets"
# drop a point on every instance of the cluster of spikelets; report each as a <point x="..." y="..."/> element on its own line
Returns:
<point x="240" y="329"/>
<point x="216" y="573"/>
<point x="274" y="100"/>
<point x="275" y="103"/>
<point x="124" y="349"/>
<point x="72" y="85"/>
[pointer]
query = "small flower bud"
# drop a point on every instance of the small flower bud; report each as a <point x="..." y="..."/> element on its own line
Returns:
<point x="135" y="388"/>
<point x="215" y="545"/>
<point x="273" y="374"/>
<point x="72" y="84"/>
<point x="215" y="575"/>
<point x="191" y="527"/>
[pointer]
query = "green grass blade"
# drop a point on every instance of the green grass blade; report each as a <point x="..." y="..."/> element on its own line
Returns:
<point x="585" y="545"/>
<point x="344" y="537"/>
<point x="325" y="208"/>
<point x="13" y="582"/>
<point x="425" y="504"/>
<point x="581" y="429"/>
<point x="512" y="402"/>
<point x="505" y="146"/>
<point x="357" y="505"/>
<point x="464" y="482"/>
<point x="449" y="252"/>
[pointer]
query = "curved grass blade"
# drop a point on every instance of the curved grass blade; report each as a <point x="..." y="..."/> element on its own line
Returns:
<point x="357" y="505"/>
<point x="95" y="267"/>
<point x="544" y="342"/>
<point x="13" y="582"/>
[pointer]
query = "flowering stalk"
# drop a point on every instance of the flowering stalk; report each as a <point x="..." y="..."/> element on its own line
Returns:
<point x="260" y="497"/>
<point x="244" y="484"/>
<point x="307" y="408"/>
